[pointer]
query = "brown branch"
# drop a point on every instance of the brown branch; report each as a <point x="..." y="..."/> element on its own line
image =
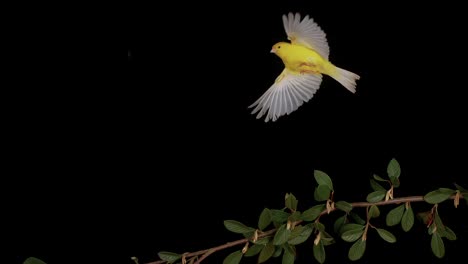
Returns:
<point x="392" y="201"/>
<point x="207" y="252"/>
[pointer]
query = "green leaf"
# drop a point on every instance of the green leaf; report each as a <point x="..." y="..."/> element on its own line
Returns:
<point x="376" y="196"/>
<point x="352" y="235"/>
<point x="374" y="211"/>
<point x="437" y="196"/>
<point x="254" y="250"/>
<point x="344" y="206"/>
<point x="322" y="193"/>
<point x="282" y="235"/>
<point x="249" y="234"/>
<point x="327" y="239"/>
<point x="291" y="202"/>
<point x="447" y="191"/>
<point x="169" y="256"/>
<point x="296" y="231"/>
<point x="395" y="215"/>
<point x="437" y="245"/>
<point x="32" y="260"/>
<point x="356" y="251"/>
<point x="323" y="179"/>
<point x="339" y="222"/>
<point x="395" y="182"/>
<point x="312" y="213"/>
<point x="306" y="231"/>
<point x="237" y="227"/>
<point x="449" y="234"/>
<point x="357" y="218"/>
<point x="265" y="219"/>
<point x="233" y="258"/>
<point x="407" y="220"/>
<point x="295" y="216"/>
<point x="278" y="251"/>
<point x="376" y="186"/>
<point x="325" y="235"/>
<point x="386" y="235"/>
<point x="319" y="252"/>
<point x="393" y="169"/>
<point x="263" y="241"/>
<point x="352" y="226"/>
<point x="378" y="178"/>
<point x="279" y="216"/>
<point x="290" y="249"/>
<point x="439" y="224"/>
<point x="319" y="226"/>
<point x="288" y="257"/>
<point x="266" y="253"/>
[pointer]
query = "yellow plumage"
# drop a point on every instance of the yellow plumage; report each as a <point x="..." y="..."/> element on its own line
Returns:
<point x="305" y="60"/>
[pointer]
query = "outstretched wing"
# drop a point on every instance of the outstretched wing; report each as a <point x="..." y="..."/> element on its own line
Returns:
<point x="289" y="91"/>
<point x="306" y="33"/>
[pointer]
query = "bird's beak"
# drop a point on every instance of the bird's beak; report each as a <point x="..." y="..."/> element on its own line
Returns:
<point x="273" y="50"/>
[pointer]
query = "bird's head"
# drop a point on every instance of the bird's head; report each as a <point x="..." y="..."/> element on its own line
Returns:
<point x="280" y="48"/>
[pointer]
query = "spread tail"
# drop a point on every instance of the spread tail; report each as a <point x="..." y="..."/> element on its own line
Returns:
<point x="346" y="78"/>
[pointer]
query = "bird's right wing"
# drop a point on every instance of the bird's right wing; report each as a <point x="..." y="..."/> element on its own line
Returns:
<point x="306" y="33"/>
<point x="289" y="91"/>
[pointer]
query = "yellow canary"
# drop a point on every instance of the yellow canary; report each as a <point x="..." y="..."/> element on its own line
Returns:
<point x="305" y="60"/>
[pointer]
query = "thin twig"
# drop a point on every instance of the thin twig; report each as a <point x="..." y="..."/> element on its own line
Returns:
<point x="207" y="252"/>
<point x="392" y="201"/>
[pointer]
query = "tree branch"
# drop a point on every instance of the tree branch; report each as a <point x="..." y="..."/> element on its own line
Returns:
<point x="205" y="253"/>
<point x="392" y="201"/>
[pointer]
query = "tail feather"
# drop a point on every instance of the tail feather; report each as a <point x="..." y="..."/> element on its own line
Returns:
<point x="346" y="78"/>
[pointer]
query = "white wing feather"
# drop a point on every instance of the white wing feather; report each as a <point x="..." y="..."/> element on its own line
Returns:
<point x="286" y="95"/>
<point x="306" y="33"/>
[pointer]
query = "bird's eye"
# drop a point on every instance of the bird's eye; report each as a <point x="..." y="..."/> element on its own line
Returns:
<point x="279" y="47"/>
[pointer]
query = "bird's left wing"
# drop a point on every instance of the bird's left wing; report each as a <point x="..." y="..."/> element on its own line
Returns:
<point x="289" y="91"/>
<point x="306" y="33"/>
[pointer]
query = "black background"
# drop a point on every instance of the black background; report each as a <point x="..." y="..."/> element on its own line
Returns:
<point x="186" y="153"/>
<point x="196" y="156"/>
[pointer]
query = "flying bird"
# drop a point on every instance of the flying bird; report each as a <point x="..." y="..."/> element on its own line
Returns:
<point x="305" y="60"/>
